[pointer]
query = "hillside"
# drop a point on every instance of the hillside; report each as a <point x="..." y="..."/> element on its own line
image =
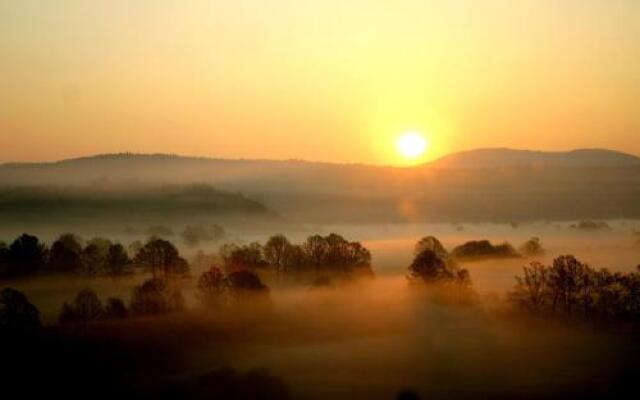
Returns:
<point x="500" y="158"/>
<point x="479" y="185"/>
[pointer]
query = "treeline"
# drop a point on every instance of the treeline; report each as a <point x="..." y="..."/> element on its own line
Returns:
<point x="484" y="249"/>
<point x="331" y="253"/>
<point x="121" y="203"/>
<point x="225" y="282"/>
<point x="573" y="289"/>
<point x="27" y="255"/>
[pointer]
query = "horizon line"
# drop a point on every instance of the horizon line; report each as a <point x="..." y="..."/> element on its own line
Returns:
<point x="300" y="160"/>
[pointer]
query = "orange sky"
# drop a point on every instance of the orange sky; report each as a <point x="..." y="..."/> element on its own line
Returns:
<point x="329" y="80"/>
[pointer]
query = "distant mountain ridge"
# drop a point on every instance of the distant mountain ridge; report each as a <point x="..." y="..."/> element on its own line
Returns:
<point x="504" y="157"/>
<point x="476" y="158"/>
<point x="477" y="185"/>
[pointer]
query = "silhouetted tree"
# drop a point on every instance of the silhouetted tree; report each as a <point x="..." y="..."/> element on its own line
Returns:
<point x="443" y="278"/>
<point x="477" y="249"/>
<point x="211" y="286"/>
<point x="95" y="256"/>
<point x="334" y="253"/>
<point x="565" y="280"/>
<point x="570" y="288"/>
<point x="156" y="296"/>
<point x="532" y="247"/>
<point x="86" y="307"/>
<point x="277" y="252"/>
<point x="296" y="259"/>
<point x="428" y="267"/>
<point x="531" y="290"/>
<point x="245" y="280"/>
<point x="433" y="244"/>
<point x="134" y="247"/>
<point x="315" y="248"/>
<point x="17" y="314"/>
<point x="239" y="257"/>
<point x="24" y="256"/>
<point x="117" y="260"/>
<point x="214" y="288"/>
<point x="66" y="254"/>
<point x="161" y="258"/>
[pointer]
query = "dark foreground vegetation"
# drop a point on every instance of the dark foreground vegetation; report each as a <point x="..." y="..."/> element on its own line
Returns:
<point x="155" y="345"/>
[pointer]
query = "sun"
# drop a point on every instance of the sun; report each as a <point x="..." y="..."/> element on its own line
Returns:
<point x="411" y="144"/>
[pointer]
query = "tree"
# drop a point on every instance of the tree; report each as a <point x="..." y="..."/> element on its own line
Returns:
<point x="134" y="247"/>
<point x="215" y="289"/>
<point x="239" y="257"/>
<point x="17" y="314"/>
<point x="433" y="244"/>
<point x="532" y="247"/>
<point x="161" y="258"/>
<point x="564" y="280"/>
<point x="66" y="254"/>
<point x="315" y="249"/>
<point x="572" y="289"/>
<point x="86" y="307"/>
<point x="335" y="253"/>
<point x="531" y="291"/>
<point x="245" y="280"/>
<point x="296" y="259"/>
<point x="429" y="268"/>
<point x="156" y="296"/>
<point x="211" y="286"/>
<point x="447" y="282"/>
<point x="95" y="256"/>
<point x="117" y="260"/>
<point x="277" y="251"/>
<point x="24" y="256"/>
<point x="478" y="249"/>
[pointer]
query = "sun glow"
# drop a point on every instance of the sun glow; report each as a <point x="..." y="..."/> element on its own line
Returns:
<point x="411" y="145"/>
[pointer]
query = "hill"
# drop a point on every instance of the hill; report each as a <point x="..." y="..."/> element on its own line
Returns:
<point x="500" y="158"/>
<point x="479" y="185"/>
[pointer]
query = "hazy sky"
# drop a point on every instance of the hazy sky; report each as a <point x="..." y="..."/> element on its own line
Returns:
<point x="330" y="80"/>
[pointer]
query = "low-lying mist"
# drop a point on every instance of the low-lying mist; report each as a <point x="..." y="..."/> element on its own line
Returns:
<point x="373" y="338"/>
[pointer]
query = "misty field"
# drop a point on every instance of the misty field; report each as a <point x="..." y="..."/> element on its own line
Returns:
<point x="375" y="337"/>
